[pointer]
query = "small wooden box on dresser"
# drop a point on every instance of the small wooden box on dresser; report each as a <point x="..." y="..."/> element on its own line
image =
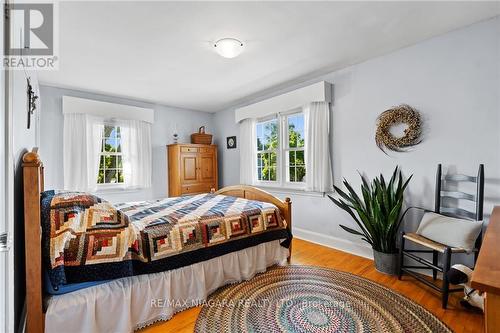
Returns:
<point x="192" y="169"/>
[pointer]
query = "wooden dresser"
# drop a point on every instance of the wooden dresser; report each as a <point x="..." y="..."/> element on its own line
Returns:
<point x="192" y="169"/>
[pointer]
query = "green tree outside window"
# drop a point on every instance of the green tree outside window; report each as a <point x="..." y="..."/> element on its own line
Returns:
<point x="267" y="150"/>
<point x="110" y="163"/>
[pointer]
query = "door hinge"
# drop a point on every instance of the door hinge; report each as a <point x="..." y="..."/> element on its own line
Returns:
<point x="6" y="11"/>
<point x="5" y="242"/>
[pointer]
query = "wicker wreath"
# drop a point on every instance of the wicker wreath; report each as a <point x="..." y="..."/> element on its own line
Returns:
<point x="401" y="114"/>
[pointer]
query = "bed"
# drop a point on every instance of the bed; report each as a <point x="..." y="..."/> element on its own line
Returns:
<point x="154" y="276"/>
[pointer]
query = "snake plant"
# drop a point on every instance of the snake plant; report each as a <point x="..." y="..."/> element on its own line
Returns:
<point x="377" y="212"/>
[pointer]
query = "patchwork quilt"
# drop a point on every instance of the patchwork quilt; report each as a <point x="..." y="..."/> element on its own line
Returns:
<point x="85" y="238"/>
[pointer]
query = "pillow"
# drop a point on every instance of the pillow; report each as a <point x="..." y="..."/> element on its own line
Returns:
<point x="450" y="231"/>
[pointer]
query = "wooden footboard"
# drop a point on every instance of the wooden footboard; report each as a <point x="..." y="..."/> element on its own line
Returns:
<point x="253" y="193"/>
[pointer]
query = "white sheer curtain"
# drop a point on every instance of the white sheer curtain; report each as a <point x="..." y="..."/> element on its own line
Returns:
<point x="248" y="160"/>
<point x="317" y="152"/>
<point x="136" y="152"/>
<point x="81" y="148"/>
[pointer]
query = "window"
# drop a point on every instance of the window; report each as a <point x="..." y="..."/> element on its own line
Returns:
<point x="281" y="150"/>
<point x="294" y="148"/>
<point x="267" y="149"/>
<point x="110" y="165"/>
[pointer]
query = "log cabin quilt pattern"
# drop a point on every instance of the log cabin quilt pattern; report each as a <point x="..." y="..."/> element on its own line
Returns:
<point x="86" y="238"/>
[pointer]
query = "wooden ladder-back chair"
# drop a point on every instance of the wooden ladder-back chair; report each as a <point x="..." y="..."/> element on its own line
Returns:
<point x="437" y="248"/>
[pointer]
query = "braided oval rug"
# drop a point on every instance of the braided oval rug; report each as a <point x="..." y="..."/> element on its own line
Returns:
<point x="312" y="299"/>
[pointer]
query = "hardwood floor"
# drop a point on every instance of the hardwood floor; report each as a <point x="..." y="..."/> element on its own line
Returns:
<point x="306" y="253"/>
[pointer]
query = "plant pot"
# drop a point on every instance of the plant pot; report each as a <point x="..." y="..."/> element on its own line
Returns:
<point x="386" y="263"/>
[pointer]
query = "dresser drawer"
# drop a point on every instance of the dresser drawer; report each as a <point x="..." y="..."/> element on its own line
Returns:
<point x="196" y="188"/>
<point x="189" y="149"/>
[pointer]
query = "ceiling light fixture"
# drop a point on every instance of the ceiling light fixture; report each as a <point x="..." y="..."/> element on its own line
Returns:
<point x="228" y="47"/>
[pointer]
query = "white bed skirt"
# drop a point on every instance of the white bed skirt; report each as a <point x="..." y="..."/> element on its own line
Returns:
<point x="127" y="304"/>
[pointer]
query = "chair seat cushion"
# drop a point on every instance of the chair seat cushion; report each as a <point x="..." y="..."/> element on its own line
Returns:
<point x="415" y="238"/>
<point x="450" y="231"/>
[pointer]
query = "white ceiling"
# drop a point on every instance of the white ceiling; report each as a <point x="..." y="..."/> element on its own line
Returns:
<point x="161" y="51"/>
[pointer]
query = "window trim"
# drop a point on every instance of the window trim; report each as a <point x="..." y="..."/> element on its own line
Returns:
<point x="104" y="187"/>
<point x="281" y="181"/>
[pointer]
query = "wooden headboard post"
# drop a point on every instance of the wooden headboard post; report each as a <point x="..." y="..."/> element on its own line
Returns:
<point x="288" y="218"/>
<point x="33" y="187"/>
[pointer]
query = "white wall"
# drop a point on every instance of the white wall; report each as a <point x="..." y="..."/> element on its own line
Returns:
<point x="51" y="145"/>
<point x="23" y="137"/>
<point x="229" y="159"/>
<point x="453" y="79"/>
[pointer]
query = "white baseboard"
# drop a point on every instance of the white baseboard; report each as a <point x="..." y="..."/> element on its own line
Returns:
<point x="333" y="242"/>
<point x="341" y="245"/>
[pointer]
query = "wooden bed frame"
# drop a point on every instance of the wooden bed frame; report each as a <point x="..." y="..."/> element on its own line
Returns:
<point x="33" y="184"/>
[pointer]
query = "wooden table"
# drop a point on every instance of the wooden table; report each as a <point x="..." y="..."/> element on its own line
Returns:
<point x="486" y="276"/>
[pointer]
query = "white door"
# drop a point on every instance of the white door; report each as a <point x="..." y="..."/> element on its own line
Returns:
<point x="6" y="201"/>
<point x="4" y="249"/>
<point x="4" y="252"/>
